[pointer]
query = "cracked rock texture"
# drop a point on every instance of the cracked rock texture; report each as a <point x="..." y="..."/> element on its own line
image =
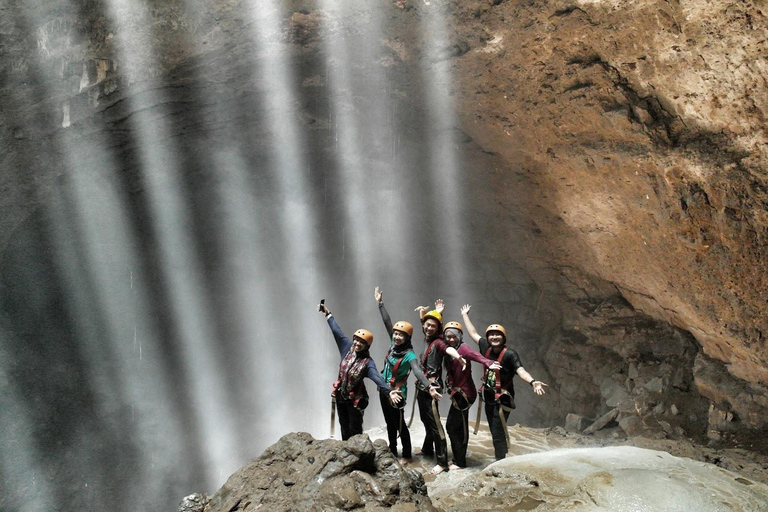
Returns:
<point x="302" y="473"/>
<point x="637" y="132"/>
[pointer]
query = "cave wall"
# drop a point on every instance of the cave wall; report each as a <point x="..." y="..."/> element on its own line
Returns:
<point x="637" y="130"/>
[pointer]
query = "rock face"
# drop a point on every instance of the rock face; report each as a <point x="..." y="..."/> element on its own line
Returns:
<point x="637" y="131"/>
<point x="302" y="473"/>
<point x="616" y="479"/>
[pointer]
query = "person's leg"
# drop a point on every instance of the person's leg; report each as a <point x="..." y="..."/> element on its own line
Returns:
<point x="355" y="421"/>
<point x="441" y="445"/>
<point x="492" y="411"/>
<point x="405" y="434"/>
<point x="425" y="413"/>
<point x="392" y="418"/>
<point x="461" y="436"/>
<point x="342" y="408"/>
<point x="455" y="431"/>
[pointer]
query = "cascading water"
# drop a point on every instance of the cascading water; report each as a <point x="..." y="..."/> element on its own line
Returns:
<point x="211" y="171"/>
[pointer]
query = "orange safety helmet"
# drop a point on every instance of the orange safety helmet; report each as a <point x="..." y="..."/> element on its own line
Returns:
<point x="496" y="327"/>
<point x="433" y="314"/>
<point x="404" y="327"/>
<point x="454" y="325"/>
<point x="364" y="335"/>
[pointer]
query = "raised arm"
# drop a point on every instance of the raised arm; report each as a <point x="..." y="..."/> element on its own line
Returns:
<point x="468" y="323"/>
<point x="379" y="296"/>
<point x="342" y="342"/>
<point x="421" y="310"/>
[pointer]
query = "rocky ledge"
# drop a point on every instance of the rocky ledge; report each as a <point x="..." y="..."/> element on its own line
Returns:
<point x="547" y="469"/>
<point x="302" y="473"/>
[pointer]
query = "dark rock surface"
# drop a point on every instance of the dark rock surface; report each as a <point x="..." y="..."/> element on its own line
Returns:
<point x="301" y="473"/>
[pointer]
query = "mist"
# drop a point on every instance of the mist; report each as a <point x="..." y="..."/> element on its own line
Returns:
<point x="158" y="290"/>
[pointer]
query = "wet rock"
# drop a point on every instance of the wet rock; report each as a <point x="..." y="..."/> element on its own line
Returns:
<point x="602" y="421"/>
<point x="613" y="391"/>
<point x="193" y="503"/>
<point x="302" y="473"/>
<point x="575" y="422"/>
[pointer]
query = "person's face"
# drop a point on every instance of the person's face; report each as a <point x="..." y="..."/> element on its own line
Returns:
<point x="496" y="339"/>
<point x="399" y="337"/>
<point x="430" y="327"/>
<point x="451" y="339"/>
<point x="359" y="345"/>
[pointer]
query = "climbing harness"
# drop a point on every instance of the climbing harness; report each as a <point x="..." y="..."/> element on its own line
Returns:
<point x="500" y="393"/>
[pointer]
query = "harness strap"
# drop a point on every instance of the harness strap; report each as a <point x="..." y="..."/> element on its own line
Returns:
<point x="502" y="410"/>
<point x="413" y="410"/>
<point x="426" y="355"/>
<point x="333" y="415"/>
<point x="438" y="423"/>
<point x="479" y="406"/>
<point x="396" y="384"/>
<point x="497" y="385"/>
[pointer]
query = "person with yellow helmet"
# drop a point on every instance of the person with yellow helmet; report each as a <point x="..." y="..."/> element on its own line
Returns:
<point x="431" y="361"/>
<point x="398" y="365"/>
<point x="350" y="397"/>
<point x="461" y="387"/>
<point x="498" y="392"/>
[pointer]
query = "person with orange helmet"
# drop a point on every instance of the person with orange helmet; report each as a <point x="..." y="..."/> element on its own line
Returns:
<point x="461" y="387"/>
<point x="350" y="397"/>
<point x="498" y="392"/>
<point x="431" y="361"/>
<point x="398" y="365"/>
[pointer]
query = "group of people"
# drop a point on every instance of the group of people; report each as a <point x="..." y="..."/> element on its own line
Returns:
<point x="500" y="364"/>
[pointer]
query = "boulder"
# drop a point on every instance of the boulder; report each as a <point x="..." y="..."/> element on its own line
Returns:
<point x="302" y="473"/>
<point x="575" y="422"/>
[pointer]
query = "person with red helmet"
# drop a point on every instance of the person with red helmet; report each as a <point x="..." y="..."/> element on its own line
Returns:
<point x="431" y="361"/>
<point x="498" y="392"/>
<point x="461" y="387"/>
<point x="350" y="397"/>
<point x="398" y="365"/>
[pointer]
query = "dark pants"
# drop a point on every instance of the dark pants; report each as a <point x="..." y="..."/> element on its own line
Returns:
<point x="457" y="427"/>
<point x="350" y="419"/>
<point x="434" y="438"/>
<point x="396" y="424"/>
<point x="493" y="413"/>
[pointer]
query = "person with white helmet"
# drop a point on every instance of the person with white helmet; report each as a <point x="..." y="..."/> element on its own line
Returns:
<point x="461" y="387"/>
<point x="431" y="361"/>
<point x="498" y="391"/>
<point x="398" y="365"/>
<point x="350" y="397"/>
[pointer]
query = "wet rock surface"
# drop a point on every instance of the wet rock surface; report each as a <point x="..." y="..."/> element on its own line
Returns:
<point x="302" y="473"/>
<point x="548" y="468"/>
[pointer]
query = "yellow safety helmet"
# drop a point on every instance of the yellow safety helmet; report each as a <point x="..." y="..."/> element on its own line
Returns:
<point x="404" y="327"/>
<point x="433" y="314"/>
<point x="364" y="335"/>
<point x="496" y="327"/>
